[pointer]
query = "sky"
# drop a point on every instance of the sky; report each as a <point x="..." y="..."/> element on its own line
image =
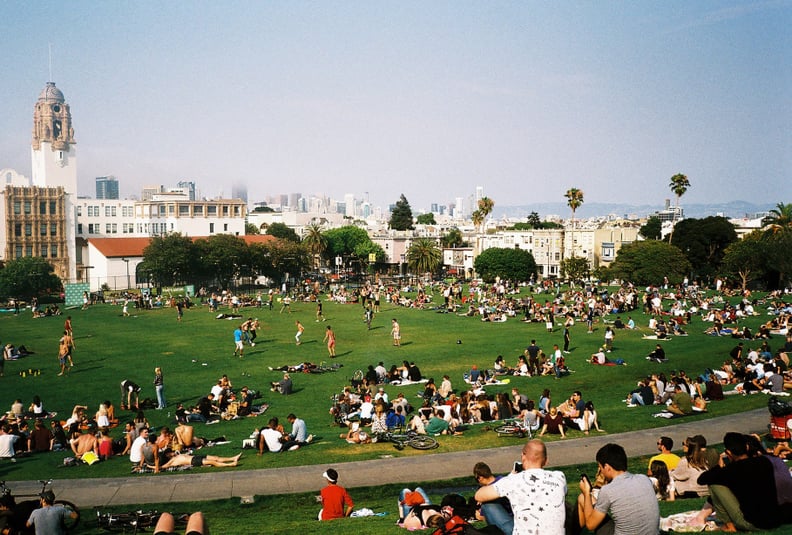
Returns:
<point x="430" y="99"/>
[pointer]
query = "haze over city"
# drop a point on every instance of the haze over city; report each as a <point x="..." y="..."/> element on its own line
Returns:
<point x="431" y="100"/>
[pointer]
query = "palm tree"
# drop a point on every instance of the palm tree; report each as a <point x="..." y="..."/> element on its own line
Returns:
<point x="780" y="219"/>
<point x="574" y="198"/>
<point x="478" y="218"/>
<point x="316" y="242"/>
<point x="485" y="206"/>
<point x="454" y="238"/>
<point x="679" y="185"/>
<point x="424" y="256"/>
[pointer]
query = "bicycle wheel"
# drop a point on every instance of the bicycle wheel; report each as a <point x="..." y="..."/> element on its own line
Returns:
<point x="69" y="523"/>
<point x="423" y="442"/>
<point x="509" y="430"/>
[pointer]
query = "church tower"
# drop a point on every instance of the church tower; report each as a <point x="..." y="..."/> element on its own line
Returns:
<point x="53" y="150"/>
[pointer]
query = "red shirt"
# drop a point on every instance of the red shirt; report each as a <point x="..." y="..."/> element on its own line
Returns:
<point x="334" y="498"/>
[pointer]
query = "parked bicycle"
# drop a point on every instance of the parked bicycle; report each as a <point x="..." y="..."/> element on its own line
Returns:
<point x="410" y="438"/>
<point x="134" y="521"/>
<point x="514" y="428"/>
<point x="23" y="509"/>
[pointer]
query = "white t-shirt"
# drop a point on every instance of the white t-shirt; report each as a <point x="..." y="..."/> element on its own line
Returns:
<point x="537" y="499"/>
<point x="136" y="451"/>
<point x="272" y="438"/>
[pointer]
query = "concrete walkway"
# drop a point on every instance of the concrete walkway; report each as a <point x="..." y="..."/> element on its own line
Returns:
<point x="209" y="485"/>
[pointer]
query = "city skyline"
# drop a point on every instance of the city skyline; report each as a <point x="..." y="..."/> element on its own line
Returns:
<point x="526" y="100"/>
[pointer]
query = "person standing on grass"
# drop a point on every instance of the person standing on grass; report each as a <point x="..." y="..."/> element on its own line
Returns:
<point x="336" y="502"/>
<point x="67" y="326"/>
<point x="239" y="342"/>
<point x="329" y="337"/>
<point x="396" y="332"/>
<point x="68" y="340"/>
<point x="567" y="339"/>
<point x="300" y="330"/>
<point x="159" y="388"/>
<point x="319" y="314"/>
<point x="63" y="354"/>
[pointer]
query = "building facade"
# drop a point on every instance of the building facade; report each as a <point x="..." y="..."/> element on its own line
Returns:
<point x="106" y="187"/>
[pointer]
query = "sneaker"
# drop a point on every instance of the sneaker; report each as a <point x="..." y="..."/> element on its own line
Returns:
<point x="270" y="368"/>
<point x="210" y="422"/>
<point x="632" y="405"/>
<point x="309" y="439"/>
<point x="252" y="344"/>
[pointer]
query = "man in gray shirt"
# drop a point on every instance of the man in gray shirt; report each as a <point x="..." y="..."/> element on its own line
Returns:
<point x="629" y="499"/>
<point x="48" y="520"/>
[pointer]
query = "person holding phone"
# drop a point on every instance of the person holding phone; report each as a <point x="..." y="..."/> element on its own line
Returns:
<point x="537" y="496"/>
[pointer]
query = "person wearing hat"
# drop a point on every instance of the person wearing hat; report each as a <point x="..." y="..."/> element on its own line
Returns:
<point x="48" y="520"/>
<point x="336" y="502"/>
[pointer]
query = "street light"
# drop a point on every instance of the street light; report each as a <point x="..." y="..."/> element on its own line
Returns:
<point x="126" y="260"/>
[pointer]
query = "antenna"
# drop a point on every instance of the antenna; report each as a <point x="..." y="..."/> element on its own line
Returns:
<point x="50" y="62"/>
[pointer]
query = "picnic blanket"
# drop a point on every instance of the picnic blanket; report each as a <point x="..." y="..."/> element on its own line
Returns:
<point x="488" y="383"/>
<point x="404" y="382"/>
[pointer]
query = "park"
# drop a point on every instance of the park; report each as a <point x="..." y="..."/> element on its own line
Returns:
<point x="194" y="352"/>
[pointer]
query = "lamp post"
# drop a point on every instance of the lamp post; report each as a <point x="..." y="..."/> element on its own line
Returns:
<point x="126" y="260"/>
<point x="401" y="264"/>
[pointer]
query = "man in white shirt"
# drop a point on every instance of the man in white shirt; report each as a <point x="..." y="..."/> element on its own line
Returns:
<point x="136" y="451"/>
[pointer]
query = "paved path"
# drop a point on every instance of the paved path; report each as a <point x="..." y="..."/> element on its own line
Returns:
<point x="218" y="485"/>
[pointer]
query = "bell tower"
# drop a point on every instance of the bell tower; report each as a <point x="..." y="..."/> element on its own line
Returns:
<point x="54" y="155"/>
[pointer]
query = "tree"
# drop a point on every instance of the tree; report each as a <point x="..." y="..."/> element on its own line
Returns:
<point x="224" y="258"/>
<point x="647" y="262"/>
<point x="679" y="184"/>
<point x="277" y="258"/>
<point x="283" y="232"/>
<point x="485" y="206"/>
<point x="704" y="241"/>
<point x="250" y="228"/>
<point x="478" y="219"/>
<point x="513" y="264"/>
<point x="534" y="221"/>
<point x="575" y="268"/>
<point x="28" y="276"/>
<point x="574" y="198"/>
<point x="401" y="217"/>
<point x="316" y="242"/>
<point x="426" y="219"/>
<point x="343" y="241"/>
<point x="779" y="220"/>
<point x="453" y="238"/>
<point x="424" y="256"/>
<point x="170" y="259"/>
<point x="652" y="229"/>
<point x="746" y="258"/>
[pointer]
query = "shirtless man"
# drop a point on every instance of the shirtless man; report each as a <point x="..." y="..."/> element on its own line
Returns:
<point x="184" y="459"/>
<point x="84" y="443"/>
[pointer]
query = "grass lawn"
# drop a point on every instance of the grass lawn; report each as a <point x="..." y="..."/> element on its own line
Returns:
<point x="196" y="352"/>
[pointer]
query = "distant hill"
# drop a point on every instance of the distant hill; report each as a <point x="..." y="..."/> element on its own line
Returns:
<point x="731" y="209"/>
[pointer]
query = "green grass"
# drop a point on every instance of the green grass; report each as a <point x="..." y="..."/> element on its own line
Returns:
<point x="195" y="353"/>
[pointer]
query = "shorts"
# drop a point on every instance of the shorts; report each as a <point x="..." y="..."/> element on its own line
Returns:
<point x="197" y="460"/>
<point x="240" y="344"/>
<point x="62" y="359"/>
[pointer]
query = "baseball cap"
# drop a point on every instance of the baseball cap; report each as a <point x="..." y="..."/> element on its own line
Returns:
<point x="330" y="475"/>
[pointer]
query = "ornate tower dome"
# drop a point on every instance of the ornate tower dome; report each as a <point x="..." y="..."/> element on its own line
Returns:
<point x="51" y="94"/>
<point x="52" y="120"/>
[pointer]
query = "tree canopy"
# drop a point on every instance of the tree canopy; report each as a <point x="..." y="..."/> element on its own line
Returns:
<point x="703" y="241"/>
<point x="426" y="219"/>
<point x="453" y="238"/>
<point x="507" y="263"/>
<point x="652" y="229"/>
<point x="575" y="268"/>
<point x="28" y="276"/>
<point x="401" y="217"/>
<point x="424" y="256"/>
<point x="283" y="231"/>
<point x="647" y="262"/>
<point x="170" y="259"/>
<point x="746" y="259"/>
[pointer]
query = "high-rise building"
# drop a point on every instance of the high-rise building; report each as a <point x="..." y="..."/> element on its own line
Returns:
<point x="106" y="187"/>
<point x="349" y="205"/>
<point x="188" y="187"/>
<point x="479" y="193"/>
<point x="239" y="191"/>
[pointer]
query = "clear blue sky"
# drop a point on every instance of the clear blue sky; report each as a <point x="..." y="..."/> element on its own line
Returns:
<point x="429" y="99"/>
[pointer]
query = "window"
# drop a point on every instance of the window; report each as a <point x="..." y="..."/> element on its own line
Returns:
<point x="225" y="227"/>
<point x="93" y="228"/>
<point x="211" y="228"/>
<point x="28" y="250"/>
<point x="53" y="207"/>
<point x="90" y="211"/>
<point x="211" y="210"/>
<point x="18" y="251"/>
<point x="17" y="207"/>
<point x="111" y="228"/>
<point x="53" y="229"/>
<point x="198" y="209"/>
<point x="44" y="251"/>
<point x="27" y="207"/>
<point x="128" y="228"/>
<point x="161" y="209"/>
<point x="43" y="207"/>
<point x="79" y="229"/>
<point x="43" y="229"/>
<point x="236" y="210"/>
<point x="171" y="209"/>
<point x="184" y="209"/>
<point x="54" y="251"/>
<point x="29" y="230"/>
<point x="225" y="211"/>
<point x="127" y="211"/>
<point x="107" y="211"/>
<point x="18" y="230"/>
<point x="79" y="210"/>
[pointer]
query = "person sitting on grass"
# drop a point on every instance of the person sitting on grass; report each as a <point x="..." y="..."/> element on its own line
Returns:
<point x="185" y="459"/>
<point x="553" y="423"/>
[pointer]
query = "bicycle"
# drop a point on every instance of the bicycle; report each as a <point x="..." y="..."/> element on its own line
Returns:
<point x="23" y="509"/>
<point x="513" y="428"/>
<point x="411" y="438"/>
<point x="135" y="520"/>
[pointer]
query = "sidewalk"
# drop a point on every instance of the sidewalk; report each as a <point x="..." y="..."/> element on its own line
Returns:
<point x="209" y="485"/>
